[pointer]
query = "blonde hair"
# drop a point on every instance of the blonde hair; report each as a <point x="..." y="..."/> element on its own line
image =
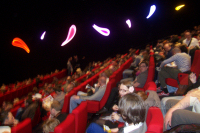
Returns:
<point x="50" y="124"/>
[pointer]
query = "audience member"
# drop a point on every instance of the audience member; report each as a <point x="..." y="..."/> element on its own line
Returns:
<point x="59" y="96"/>
<point x="133" y="112"/>
<point x="55" y="112"/>
<point x="50" y="125"/>
<point x="99" y="92"/>
<point x="7" y="119"/>
<point x="183" y="62"/>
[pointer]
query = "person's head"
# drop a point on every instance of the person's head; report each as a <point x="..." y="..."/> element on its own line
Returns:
<point x="167" y="47"/>
<point x="143" y="66"/>
<point x="132" y="108"/>
<point x="102" y="81"/>
<point x="112" y="68"/>
<point x="69" y="87"/>
<point x="35" y="90"/>
<point x="28" y="102"/>
<point x="103" y="74"/>
<point x="176" y="50"/>
<point x="7" y="118"/>
<point x="70" y="58"/>
<point x="57" y="89"/>
<point x="55" y="108"/>
<point x="50" y="124"/>
<point x="188" y="35"/>
<point x="125" y="88"/>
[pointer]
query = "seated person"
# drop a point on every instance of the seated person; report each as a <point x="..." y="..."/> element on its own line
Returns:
<point x="7" y="119"/>
<point x="29" y="111"/>
<point x="140" y="80"/>
<point x="180" y="113"/>
<point x="99" y="92"/>
<point x="183" y="62"/>
<point x="59" y="96"/>
<point x="50" y="125"/>
<point x="55" y="111"/>
<point x="6" y="106"/>
<point x="125" y="88"/>
<point x="132" y="109"/>
<point x="68" y="88"/>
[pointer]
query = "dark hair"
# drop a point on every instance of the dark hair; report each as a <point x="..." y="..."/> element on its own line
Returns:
<point x="29" y="101"/>
<point x="132" y="107"/>
<point x="4" y="116"/>
<point x="57" y="88"/>
<point x="145" y="62"/>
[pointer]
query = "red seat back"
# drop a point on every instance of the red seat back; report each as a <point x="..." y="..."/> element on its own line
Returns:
<point x="80" y="117"/>
<point x="67" y="126"/>
<point x="23" y="127"/>
<point x="109" y="87"/>
<point x="154" y="120"/>
<point x="65" y="108"/>
<point x="196" y="63"/>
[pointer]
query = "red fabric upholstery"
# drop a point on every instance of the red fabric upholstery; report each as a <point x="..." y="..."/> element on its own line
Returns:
<point x="94" y="106"/>
<point x="151" y="72"/>
<point x="67" y="126"/>
<point x="151" y="86"/>
<point x="65" y="108"/>
<point x="80" y="117"/>
<point x="182" y="77"/>
<point x="154" y="120"/>
<point x="23" y="127"/>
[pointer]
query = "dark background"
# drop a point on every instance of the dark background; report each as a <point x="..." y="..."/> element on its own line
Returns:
<point x="29" y="19"/>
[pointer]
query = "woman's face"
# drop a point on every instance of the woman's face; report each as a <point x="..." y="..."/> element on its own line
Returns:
<point x="123" y="90"/>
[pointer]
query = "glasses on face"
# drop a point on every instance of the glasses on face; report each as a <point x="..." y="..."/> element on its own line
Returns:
<point x="141" y="66"/>
<point x="122" y="90"/>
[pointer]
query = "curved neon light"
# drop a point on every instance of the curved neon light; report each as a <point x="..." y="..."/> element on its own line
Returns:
<point x="152" y="10"/>
<point x="179" y="7"/>
<point x="17" y="42"/>
<point x="70" y="36"/>
<point x="42" y="36"/>
<point x="128" y="22"/>
<point x="103" y="31"/>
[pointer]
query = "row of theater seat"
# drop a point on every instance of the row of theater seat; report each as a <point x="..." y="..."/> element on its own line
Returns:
<point x="23" y="91"/>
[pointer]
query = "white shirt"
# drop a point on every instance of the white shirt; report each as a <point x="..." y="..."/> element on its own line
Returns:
<point x="194" y="42"/>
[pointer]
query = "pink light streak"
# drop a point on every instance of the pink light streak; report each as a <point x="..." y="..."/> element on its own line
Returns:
<point x="103" y="31"/>
<point x="128" y="22"/>
<point x="70" y="36"/>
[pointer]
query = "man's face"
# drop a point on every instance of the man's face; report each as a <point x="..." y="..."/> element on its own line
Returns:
<point x="167" y="48"/>
<point x="188" y="35"/>
<point x="143" y="67"/>
<point x="51" y="111"/>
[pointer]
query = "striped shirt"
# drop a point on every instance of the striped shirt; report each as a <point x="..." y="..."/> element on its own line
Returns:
<point x="182" y="60"/>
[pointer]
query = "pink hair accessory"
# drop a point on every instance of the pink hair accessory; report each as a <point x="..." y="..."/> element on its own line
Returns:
<point x="131" y="89"/>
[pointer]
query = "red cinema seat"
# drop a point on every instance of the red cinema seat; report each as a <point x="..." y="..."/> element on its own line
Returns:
<point x="94" y="106"/>
<point x="67" y="126"/>
<point x="154" y="120"/>
<point x="23" y="127"/>
<point x="65" y="108"/>
<point x="80" y="114"/>
<point x="183" y="77"/>
<point x="150" y="77"/>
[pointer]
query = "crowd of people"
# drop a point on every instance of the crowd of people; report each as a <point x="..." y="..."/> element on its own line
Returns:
<point x="172" y="56"/>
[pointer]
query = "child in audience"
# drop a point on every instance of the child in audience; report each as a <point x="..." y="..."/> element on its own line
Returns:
<point x="132" y="110"/>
